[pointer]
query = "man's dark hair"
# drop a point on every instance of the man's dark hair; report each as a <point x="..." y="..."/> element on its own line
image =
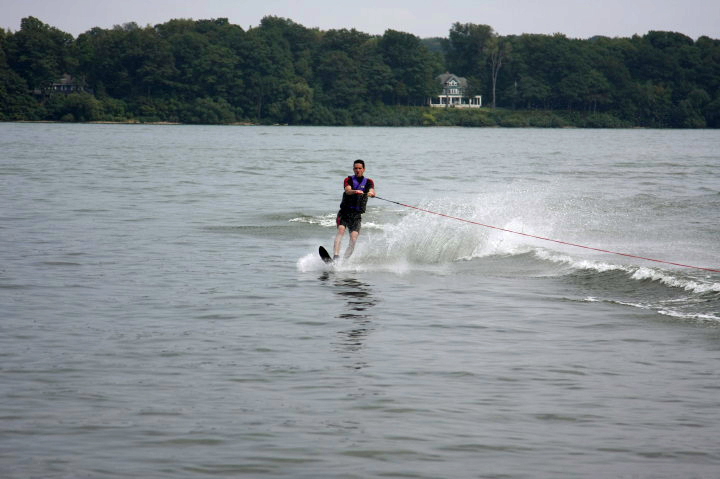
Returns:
<point x="359" y="161"/>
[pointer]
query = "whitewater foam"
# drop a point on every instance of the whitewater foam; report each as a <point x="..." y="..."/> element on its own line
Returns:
<point x="329" y="221"/>
<point x="673" y="313"/>
<point x="691" y="285"/>
<point x="638" y="273"/>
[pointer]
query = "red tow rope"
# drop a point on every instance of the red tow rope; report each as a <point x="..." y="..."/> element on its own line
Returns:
<point x="550" y="239"/>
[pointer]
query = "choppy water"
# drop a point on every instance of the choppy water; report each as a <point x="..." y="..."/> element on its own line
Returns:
<point x="163" y="311"/>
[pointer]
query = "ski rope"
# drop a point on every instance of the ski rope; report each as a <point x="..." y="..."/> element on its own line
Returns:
<point x="548" y="239"/>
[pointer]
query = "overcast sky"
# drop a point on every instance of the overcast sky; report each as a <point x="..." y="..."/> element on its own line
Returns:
<point x="574" y="18"/>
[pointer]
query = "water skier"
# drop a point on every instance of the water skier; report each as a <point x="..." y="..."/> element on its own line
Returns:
<point x="357" y="189"/>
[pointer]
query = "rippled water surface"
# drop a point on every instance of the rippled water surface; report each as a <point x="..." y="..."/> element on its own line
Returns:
<point x="164" y="312"/>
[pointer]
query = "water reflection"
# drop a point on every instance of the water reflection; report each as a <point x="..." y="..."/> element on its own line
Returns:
<point x="358" y="299"/>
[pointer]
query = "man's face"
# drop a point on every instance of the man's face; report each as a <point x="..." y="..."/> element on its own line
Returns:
<point x="358" y="169"/>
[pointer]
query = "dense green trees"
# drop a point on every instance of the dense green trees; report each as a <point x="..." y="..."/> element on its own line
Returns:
<point x="646" y="80"/>
<point x="211" y="71"/>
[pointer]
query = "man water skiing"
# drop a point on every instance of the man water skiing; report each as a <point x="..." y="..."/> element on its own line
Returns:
<point x="357" y="190"/>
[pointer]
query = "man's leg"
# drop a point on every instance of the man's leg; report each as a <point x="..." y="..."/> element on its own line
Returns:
<point x="353" y="238"/>
<point x="338" y="239"/>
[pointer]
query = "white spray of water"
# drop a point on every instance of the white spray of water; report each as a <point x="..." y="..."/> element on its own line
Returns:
<point x="420" y="240"/>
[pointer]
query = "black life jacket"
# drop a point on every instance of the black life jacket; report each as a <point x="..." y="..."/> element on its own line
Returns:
<point x="355" y="203"/>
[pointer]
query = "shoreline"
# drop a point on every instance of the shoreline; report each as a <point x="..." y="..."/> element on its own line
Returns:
<point x="131" y="122"/>
<point x="170" y="123"/>
<point x="402" y="116"/>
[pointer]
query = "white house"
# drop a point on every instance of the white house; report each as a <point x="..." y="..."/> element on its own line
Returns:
<point x="453" y="93"/>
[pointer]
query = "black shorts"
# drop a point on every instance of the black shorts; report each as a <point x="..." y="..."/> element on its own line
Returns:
<point x="349" y="219"/>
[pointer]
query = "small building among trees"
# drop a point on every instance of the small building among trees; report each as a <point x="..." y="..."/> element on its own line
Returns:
<point x="454" y="93"/>
<point x="68" y="84"/>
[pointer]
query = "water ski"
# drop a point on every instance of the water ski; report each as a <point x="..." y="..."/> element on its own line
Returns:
<point x="325" y="255"/>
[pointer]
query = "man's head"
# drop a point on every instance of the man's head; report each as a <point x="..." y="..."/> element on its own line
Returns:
<point x="359" y="167"/>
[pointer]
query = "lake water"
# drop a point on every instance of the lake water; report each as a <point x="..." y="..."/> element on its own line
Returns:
<point x="164" y="313"/>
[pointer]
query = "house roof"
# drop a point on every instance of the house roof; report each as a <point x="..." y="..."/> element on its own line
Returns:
<point x="446" y="77"/>
<point x="66" y="79"/>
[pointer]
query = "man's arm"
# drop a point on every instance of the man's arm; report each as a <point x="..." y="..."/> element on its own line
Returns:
<point x="350" y="191"/>
<point x="348" y="187"/>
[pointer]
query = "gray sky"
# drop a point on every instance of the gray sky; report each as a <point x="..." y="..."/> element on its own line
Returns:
<point x="574" y="18"/>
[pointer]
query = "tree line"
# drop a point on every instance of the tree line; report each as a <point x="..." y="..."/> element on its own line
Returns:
<point x="211" y="71"/>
